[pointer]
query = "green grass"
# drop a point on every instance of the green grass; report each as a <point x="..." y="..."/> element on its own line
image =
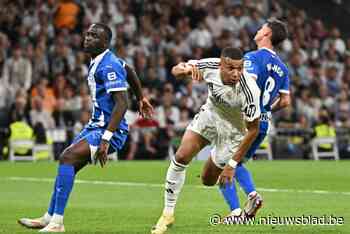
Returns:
<point x="101" y="208"/>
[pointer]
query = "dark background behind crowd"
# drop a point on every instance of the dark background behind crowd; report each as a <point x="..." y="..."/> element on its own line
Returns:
<point x="43" y="68"/>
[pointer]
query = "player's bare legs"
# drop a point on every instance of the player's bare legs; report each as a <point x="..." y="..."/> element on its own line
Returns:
<point x="190" y="145"/>
<point x="71" y="161"/>
<point x="210" y="173"/>
<point x="210" y="176"/>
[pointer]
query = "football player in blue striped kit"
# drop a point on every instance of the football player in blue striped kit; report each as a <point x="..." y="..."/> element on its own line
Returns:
<point x="107" y="129"/>
<point x="271" y="75"/>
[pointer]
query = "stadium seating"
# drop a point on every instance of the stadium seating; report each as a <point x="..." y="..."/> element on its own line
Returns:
<point x="317" y="153"/>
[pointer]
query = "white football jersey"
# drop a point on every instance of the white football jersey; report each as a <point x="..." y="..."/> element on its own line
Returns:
<point x="234" y="103"/>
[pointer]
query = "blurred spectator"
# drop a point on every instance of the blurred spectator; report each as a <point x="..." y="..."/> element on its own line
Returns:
<point x="43" y="92"/>
<point x="342" y="110"/>
<point x="167" y="112"/>
<point x="305" y="107"/>
<point x="39" y="115"/>
<point x="19" y="109"/>
<point x="93" y="10"/>
<point x="17" y="72"/>
<point x="238" y="18"/>
<point x="200" y="37"/>
<point x="255" y="22"/>
<point x="298" y="70"/>
<point x="68" y="14"/>
<point x="335" y="38"/>
<point x="71" y="101"/>
<point x="318" y="30"/>
<point x="63" y="118"/>
<point x="40" y="64"/>
<point x="59" y="63"/>
<point x="216" y="21"/>
<point x="82" y="121"/>
<point x="324" y="128"/>
<point x="332" y="82"/>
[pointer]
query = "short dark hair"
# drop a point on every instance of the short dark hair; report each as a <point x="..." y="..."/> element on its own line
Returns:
<point x="232" y="53"/>
<point x="279" y="31"/>
<point x="106" y="30"/>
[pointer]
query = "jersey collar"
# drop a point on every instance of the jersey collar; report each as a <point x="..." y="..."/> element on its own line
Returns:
<point x="99" y="57"/>
<point x="271" y="51"/>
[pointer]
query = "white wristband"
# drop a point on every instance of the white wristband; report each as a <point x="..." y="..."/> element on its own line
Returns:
<point x="232" y="163"/>
<point x="107" y="135"/>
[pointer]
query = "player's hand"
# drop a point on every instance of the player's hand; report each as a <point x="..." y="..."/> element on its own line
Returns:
<point x="226" y="175"/>
<point x="197" y="75"/>
<point x="145" y="108"/>
<point x="101" y="154"/>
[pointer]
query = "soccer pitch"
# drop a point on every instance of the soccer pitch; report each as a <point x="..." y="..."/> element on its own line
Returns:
<point x="127" y="197"/>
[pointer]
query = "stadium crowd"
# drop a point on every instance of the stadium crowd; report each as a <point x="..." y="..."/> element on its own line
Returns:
<point x="43" y="67"/>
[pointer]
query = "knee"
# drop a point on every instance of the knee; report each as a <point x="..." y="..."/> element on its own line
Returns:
<point x="207" y="180"/>
<point x="66" y="157"/>
<point x="182" y="157"/>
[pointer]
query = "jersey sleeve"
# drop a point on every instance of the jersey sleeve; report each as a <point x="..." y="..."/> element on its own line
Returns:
<point x="250" y="65"/>
<point x="206" y="66"/>
<point x="114" y="78"/>
<point x="208" y="63"/>
<point x="285" y="83"/>
<point x="251" y="99"/>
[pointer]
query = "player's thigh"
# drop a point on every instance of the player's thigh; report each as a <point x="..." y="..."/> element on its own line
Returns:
<point x="190" y="146"/>
<point x="77" y="154"/>
<point x="210" y="173"/>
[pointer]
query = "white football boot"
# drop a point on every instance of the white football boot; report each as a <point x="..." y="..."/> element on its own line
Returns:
<point x="164" y="222"/>
<point x="253" y="204"/>
<point x="34" y="223"/>
<point x="53" y="227"/>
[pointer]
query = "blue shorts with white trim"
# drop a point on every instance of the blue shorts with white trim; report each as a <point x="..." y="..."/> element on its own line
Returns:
<point x="93" y="136"/>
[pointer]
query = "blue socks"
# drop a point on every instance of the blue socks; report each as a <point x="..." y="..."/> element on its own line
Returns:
<point x="63" y="187"/>
<point x="53" y="200"/>
<point x="244" y="179"/>
<point x="230" y="194"/>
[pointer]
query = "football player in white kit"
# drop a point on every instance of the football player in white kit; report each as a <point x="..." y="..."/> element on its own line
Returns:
<point x="229" y="121"/>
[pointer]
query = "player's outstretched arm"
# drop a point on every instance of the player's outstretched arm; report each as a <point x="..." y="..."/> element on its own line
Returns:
<point x="145" y="108"/>
<point x="119" y="109"/>
<point x="283" y="101"/>
<point x="182" y="70"/>
<point x="248" y="139"/>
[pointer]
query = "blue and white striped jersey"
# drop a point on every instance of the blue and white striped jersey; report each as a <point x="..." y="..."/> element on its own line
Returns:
<point x="106" y="74"/>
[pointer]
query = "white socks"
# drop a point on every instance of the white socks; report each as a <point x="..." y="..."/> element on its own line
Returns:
<point x="58" y="219"/>
<point x="47" y="218"/>
<point x="175" y="179"/>
<point x="236" y="212"/>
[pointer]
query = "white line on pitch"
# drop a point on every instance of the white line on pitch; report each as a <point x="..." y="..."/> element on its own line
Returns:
<point x="137" y="184"/>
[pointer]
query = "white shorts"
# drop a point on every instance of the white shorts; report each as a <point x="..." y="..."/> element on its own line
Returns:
<point x="223" y="136"/>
